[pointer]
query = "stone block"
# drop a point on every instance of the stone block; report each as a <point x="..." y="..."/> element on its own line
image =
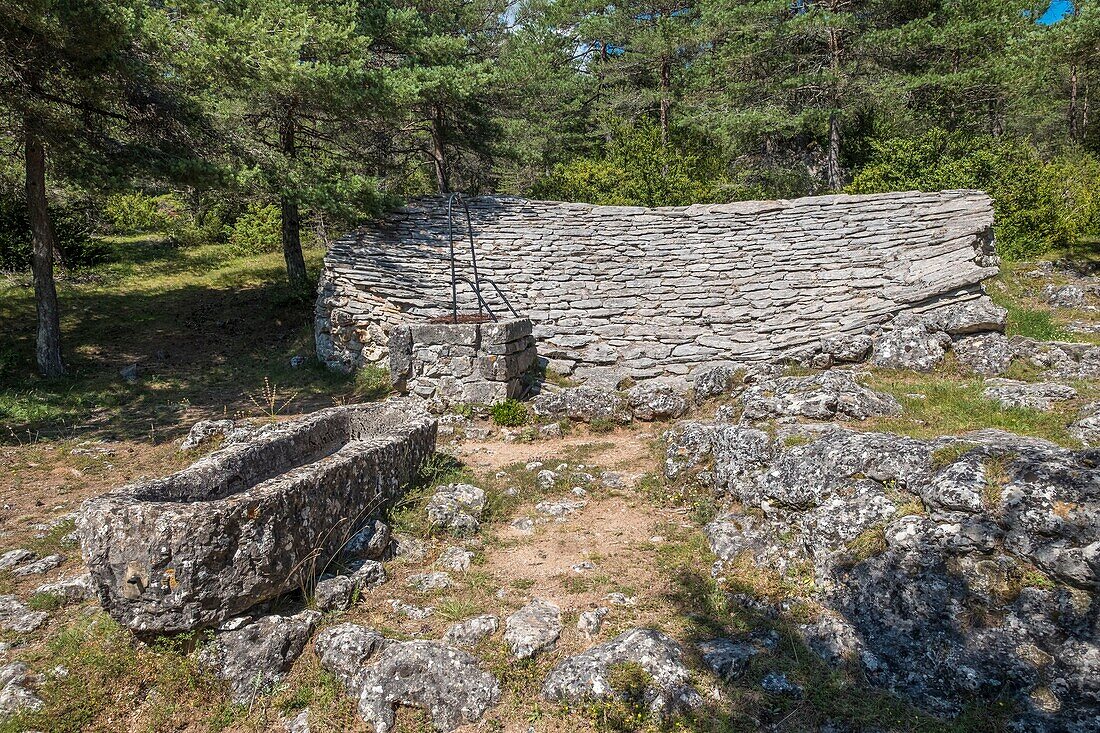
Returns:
<point x="501" y="332"/>
<point x="460" y="334"/>
<point x="251" y="521"/>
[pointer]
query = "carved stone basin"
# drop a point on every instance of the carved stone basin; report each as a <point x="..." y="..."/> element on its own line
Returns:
<point x="250" y="521"/>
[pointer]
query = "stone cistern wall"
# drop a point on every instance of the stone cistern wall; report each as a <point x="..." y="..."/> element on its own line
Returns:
<point x="463" y="362"/>
<point x="660" y="291"/>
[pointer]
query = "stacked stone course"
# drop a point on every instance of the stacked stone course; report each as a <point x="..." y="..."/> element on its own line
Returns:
<point x="462" y="362"/>
<point x="648" y="292"/>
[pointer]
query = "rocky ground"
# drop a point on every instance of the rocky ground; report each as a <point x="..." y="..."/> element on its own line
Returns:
<point x="893" y="533"/>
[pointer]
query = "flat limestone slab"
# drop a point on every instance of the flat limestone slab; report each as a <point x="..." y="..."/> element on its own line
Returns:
<point x="250" y="521"/>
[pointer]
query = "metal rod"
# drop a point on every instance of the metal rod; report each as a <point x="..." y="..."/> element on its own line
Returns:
<point x="451" y="240"/>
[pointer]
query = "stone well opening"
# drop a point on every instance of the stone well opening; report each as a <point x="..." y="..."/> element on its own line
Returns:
<point x="474" y="360"/>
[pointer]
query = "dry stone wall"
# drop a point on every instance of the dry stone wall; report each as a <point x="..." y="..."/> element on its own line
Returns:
<point x="648" y="292"/>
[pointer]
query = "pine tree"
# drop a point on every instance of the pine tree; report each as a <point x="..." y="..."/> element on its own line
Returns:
<point x="84" y="93"/>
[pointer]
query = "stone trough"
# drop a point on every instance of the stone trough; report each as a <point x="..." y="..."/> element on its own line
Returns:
<point x="250" y="521"/>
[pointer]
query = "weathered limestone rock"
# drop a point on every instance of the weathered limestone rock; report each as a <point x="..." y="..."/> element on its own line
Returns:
<point x="12" y="558"/>
<point x="428" y="582"/>
<point x="382" y="674"/>
<point x="1086" y="427"/>
<point x="1064" y="296"/>
<point x="40" y="566"/>
<point x="455" y="558"/>
<point x="972" y="316"/>
<point x="994" y="510"/>
<point x="584" y="404"/>
<point x="913" y="344"/>
<point x="589" y="623"/>
<point x="70" y="590"/>
<point x="250" y="521"/>
<point x="206" y="430"/>
<point x="372" y="542"/>
<point x="471" y="631"/>
<point x="254" y="658"/>
<point x="533" y="629"/>
<point x="14" y="616"/>
<point x="338" y="592"/>
<point x="16" y="695"/>
<point x="457" y="507"/>
<point x="655" y="400"/>
<point x="831" y="394"/>
<point x="1033" y="395"/>
<point x="652" y="292"/>
<point x="727" y="658"/>
<point x="714" y="382"/>
<point x="988" y="354"/>
<point x="588" y="675"/>
<point x="847" y="348"/>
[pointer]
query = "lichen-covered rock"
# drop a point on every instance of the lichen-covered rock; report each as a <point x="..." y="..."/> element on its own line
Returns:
<point x="589" y="676"/>
<point x="847" y="348"/>
<point x="974" y="316"/>
<point x="444" y="681"/>
<point x="988" y="354"/>
<point x="457" y="507"/>
<point x="40" y="566"/>
<point x="910" y="541"/>
<point x="533" y="629"/>
<point x="714" y="382"/>
<point x="206" y="430"/>
<point x="911" y="344"/>
<point x="16" y="696"/>
<point x="14" y="616"/>
<point x="655" y="400"/>
<point x="455" y="558"/>
<point x="472" y="630"/>
<point x="71" y="590"/>
<point x="1086" y="427"/>
<point x="338" y="592"/>
<point x="428" y="582"/>
<point x="590" y="622"/>
<point x="254" y="658"/>
<point x="583" y="404"/>
<point x="727" y="658"/>
<point x="1033" y="395"/>
<point x="560" y="509"/>
<point x="831" y="394"/>
<point x="372" y="542"/>
<point x="12" y="558"/>
<point x="1064" y="296"/>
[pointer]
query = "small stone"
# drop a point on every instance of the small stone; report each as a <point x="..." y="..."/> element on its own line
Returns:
<point x="621" y="599"/>
<point x="553" y="430"/>
<point x="533" y="628"/>
<point x="727" y="658"/>
<point x="1033" y="395"/>
<point x="298" y="724"/>
<point x="778" y="684"/>
<point x="15" y="693"/>
<point x="72" y="590"/>
<point x="583" y="566"/>
<point x="589" y="623"/>
<point x="457" y="507"/>
<point x="14" y="616"/>
<point x="338" y="593"/>
<point x="297" y="362"/>
<point x="455" y="558"/>
<point x="129" y="373"/>
<point x="12" y="558"/>
<point x="524" y="524"/>
<point x="409" y="611"/>
<point x="428" y="582"/>
<point x="471" y="631"/>
<point x="559" y="509"/>
<point x="370" y="543"/>
<point x="533" y="466"/>
<point x="546" y="479"/>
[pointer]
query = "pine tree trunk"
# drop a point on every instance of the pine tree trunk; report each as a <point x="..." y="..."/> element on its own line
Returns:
<point x="439" y="158"/>
<point x="48" y="342"/>
<point x="291" y="220"/>
<point x="1074" y="133"/>
<point x="833" y="172"/>
<point x="666" y="90"/>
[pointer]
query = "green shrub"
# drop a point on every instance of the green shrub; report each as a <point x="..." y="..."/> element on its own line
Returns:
<point x="372" y="382"/>
<point x="636" y="169"/>
<point x="74" y="222"/>
<point x="1038" y="205"/>
<point x="510" y="413"/>
<point x="130" y="213"/>
<point x="257" y="230"/>
<point x="189" y="231"/>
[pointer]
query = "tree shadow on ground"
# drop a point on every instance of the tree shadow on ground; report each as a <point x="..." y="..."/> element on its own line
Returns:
<point x="198" y="351"/>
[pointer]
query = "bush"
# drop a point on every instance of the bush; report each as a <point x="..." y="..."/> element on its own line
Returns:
<point x="189" y="231"/>
<point x="636" y="169"/>
<point x="257" y="230"/>
<point x="1037" y="205"/>
<point x="510" y="413"/>
<point x="131" y="213"/>
<point x="73" y="221"/>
